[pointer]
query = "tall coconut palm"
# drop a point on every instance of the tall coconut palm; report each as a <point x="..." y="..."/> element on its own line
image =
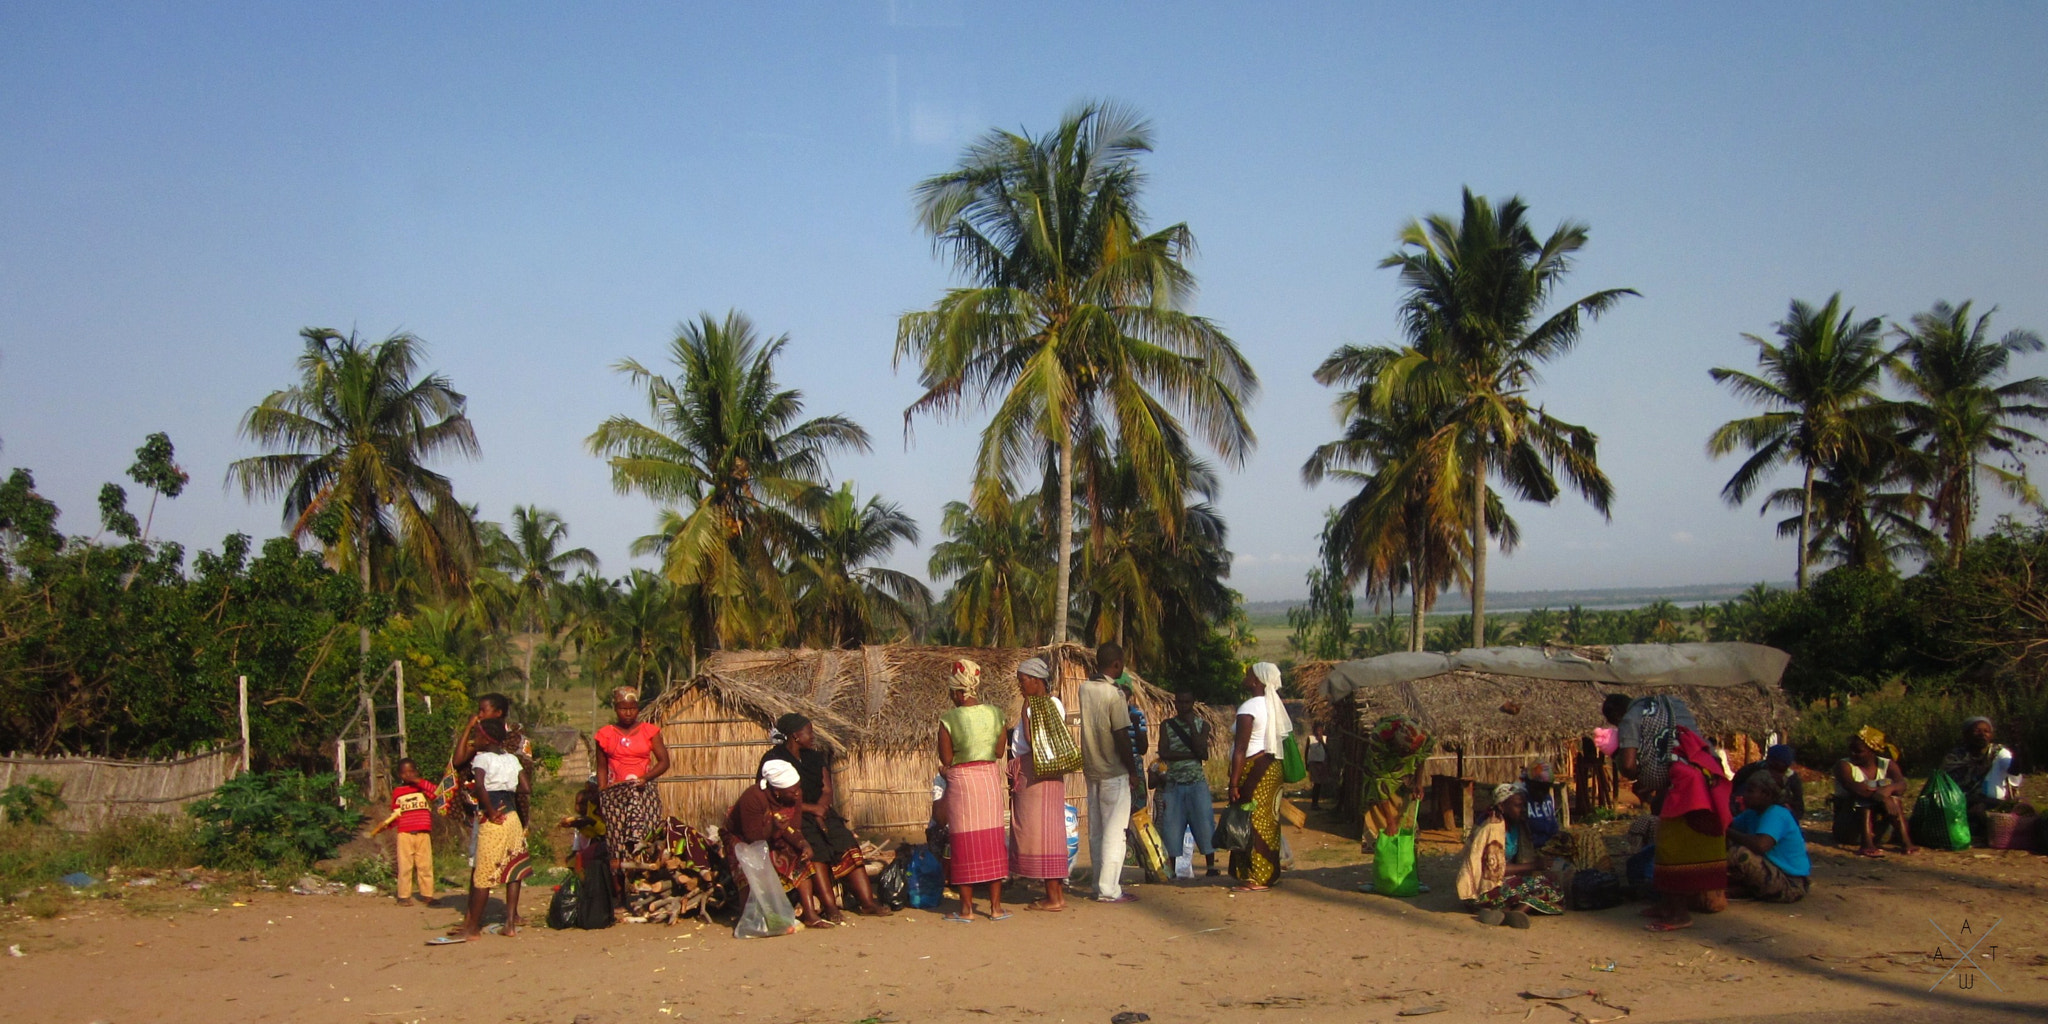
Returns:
<point x="1865" y="512"/>
<point x="1075" y="321"/>
<point x="844" y="599"/>
<point x="729" y="444"/>
<point x="356" y="433"/>
<point x="1146" y="587"/>
<point x="1000" y="562"/>
<point x="531" y="554"/>
<point x="1818" y="384"/>
<point x="1476" y="289"/>
<point x="1956" y="406"/>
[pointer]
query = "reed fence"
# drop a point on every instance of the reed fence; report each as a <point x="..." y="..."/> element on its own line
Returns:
<point x="97" y="790"/>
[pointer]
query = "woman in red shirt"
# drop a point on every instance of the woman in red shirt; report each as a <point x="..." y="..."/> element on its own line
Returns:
<point x="630" y="756"/>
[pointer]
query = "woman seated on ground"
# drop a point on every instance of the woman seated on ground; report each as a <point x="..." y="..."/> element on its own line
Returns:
<point x="767" y="812"/>
<point x="1869" y="793"/>
<point x="835" y="849"/>
<point x="1501" y="872"/>
<point x="1766" y="851"/>
<point x="1780" y="763"/>
<point x="1982" y="769"/>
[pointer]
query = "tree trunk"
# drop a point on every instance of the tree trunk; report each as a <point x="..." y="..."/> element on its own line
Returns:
<point x="1479" y="551"/>
<point x="1415" y="620"/>
<point x="1058" y="632"/>
<point x="1805" y="524"/>
<point x="363" y="667"/>
<point x="526" y="691"/>
<point x="1965" y="510"/>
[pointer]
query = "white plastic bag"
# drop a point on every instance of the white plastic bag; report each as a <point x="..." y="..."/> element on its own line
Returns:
<point x="768" y="912"/>
<point x="1073" y="838"/>
<point x="1184" y="862"/>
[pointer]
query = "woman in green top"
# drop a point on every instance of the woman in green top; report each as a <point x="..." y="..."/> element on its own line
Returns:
<point x="970" y="747"/>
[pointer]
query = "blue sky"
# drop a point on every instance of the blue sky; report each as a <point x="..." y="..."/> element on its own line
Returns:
<point x="538" y="192"/>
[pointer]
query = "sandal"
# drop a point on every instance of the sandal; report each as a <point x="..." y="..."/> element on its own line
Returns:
<point x="1004" y="916"/>
<point x="1251" y="888"/>
<point x="1667" y="926"/>
<point x="1041" y="905"/>
<point x="959" y="919"/>
<point x="446" y="940"/>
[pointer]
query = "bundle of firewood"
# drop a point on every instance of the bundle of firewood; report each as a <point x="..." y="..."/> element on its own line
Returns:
<point x="663" y="887"/>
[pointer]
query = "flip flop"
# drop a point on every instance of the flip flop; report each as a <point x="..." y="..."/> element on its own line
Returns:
<point x="958" y="919"/>
<point x="446" y="940"/>
<point x="1004" y="916"/>
<point x="1043" y="908"/>
<point x="1666" y="926"/>
<point x="494" y="929"/>
<point x="1251" y="888"/>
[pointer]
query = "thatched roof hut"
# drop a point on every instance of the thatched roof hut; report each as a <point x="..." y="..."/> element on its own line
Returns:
<point x="876" y="708"/>
<point x="1494" y="711"/>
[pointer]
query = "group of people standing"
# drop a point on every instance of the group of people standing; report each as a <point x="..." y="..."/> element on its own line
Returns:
<point x="993" y="762"/>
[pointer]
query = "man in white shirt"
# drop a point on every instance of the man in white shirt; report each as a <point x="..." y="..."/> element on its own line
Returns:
<point x="1111" y="767"/>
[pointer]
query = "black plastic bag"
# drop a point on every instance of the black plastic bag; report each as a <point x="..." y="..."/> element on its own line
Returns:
<point x="1594" y="890"/>
<point x="1234" y="828"/>
<point x="892" y="886"/>
<point x="562" y="909"/>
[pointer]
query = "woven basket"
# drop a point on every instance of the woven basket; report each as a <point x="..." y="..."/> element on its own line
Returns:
<point x="2010" y="831"/>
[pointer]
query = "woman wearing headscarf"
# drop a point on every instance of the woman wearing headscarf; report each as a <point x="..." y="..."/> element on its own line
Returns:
<point x="1040" y="815"/>
<point x="1262" y="726"/>
<point x="1869" y="788"/>
<point x="970" y="751"/>
<point x="768" y="812"/>
<point x="1982" y="769"/>
<point x="630" y="756"/>
<point x="835" y="850"/>
<point x="1501" y="872"/>
<point x="1679" y="777"/>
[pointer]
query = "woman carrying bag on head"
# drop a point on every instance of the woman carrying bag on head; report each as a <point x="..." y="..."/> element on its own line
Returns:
<point x="1255" y="776"/>
<point x="1039" y="813"/>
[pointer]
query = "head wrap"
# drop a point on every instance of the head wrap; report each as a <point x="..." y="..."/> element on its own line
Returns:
<point x="787" y="726"/>
<point x="780" y="775"/>
<point x="1538" y="772"/>
<point x="1781" y="753"/>
<point x="966" y="677"/>
<point x="1873" y="737"/>
<point x="1502" y="792"/>
<point x="625" y="695"/>
<point x="1968" y="722"/>
<point x="1036" y="668"/>
<point x="1278" y="725"/>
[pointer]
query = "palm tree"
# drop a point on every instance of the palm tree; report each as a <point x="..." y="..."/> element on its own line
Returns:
<point x="1476" y="289"/>
<point x="531" y="554"/>
<point x="1404" y="528"/>
<point x="1075" y="321"/>
<point x="999" y="562"/>
<point x="844" y="600"/>
<point x="1152" y="589"/>
<point x="646" y="635"/>
<point x="1819" y="385"/>
<point x="1864" y="513"/>
<point x="357" y="431"/>
<point x="728" y="443"/>
<point x="1951" y="370"/>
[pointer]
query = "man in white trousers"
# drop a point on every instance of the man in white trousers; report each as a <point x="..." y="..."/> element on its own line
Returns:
<point x="1112" y="769"/>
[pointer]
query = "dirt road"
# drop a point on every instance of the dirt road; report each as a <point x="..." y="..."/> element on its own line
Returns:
<point x="1861" y="948"/>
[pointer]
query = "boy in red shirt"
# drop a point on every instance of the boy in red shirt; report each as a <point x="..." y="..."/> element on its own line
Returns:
<point x="411" y="811"/>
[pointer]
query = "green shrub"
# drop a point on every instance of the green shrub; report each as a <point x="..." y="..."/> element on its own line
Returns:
<point x="262" y="819"/>
<point x="34" y="801"/>
<point x="1924" y="724"/>
<point x="366" y="871"/>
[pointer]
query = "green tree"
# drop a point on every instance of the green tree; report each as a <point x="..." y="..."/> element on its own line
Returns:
<point x="1158" y="591"/>
<point x="1000" y="560"/>
<point x="727" y="443"/>
<point x="356" y="433"/>
<point x="1075" y="322"/>
<point x="1473" y="315"/>
<point x="1818" y="385"/>
<point x="531" y="554"/>
<point x="1865" y="512"/>
<point x="844" y="599"/>
<point x="1958" y="408"/>
<point x="156" y="467"/>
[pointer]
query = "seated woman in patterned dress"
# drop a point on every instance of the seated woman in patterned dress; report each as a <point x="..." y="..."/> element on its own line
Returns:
<point x="1502" y="869"/>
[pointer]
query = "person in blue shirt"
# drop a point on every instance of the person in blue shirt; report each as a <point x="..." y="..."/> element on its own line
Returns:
<point x="1542" y="804"/>
<point x="1766" y="851"/>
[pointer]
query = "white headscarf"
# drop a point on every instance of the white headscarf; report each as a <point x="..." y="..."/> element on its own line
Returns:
<point x="1278" y="725"/>
<point x="1036" y="668"/>
<point x="780" y="775"/>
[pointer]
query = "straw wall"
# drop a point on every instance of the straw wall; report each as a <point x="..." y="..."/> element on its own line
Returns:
<point x="97" y="790"/>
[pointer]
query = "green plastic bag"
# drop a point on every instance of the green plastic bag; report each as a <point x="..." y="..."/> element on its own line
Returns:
<point x="1393" y="863"/>
<point x="1941" y="818"/>
<point x="1293" y="767"/>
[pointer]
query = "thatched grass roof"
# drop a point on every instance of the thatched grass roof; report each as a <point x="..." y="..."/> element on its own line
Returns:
<point x="881" y="697"/>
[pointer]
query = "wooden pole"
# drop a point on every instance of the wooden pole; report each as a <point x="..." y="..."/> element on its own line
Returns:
<point x="400" y="666"/>
<point x="242" y="703"/>
<point x="340" y="771"/>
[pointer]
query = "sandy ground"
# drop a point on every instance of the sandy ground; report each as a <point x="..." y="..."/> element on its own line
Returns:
<point x="1860" y="949"/>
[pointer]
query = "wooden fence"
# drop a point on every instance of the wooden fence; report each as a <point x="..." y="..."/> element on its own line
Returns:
<point x="97" y="790"/>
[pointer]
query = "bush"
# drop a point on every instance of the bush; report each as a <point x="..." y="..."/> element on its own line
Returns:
<point x="261" y="819"/>
<point x="1925" y="724"/>
<point x="35" y="801"/>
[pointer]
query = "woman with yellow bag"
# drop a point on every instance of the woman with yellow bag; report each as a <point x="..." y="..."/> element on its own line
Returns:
<point x="1038" y="767"/>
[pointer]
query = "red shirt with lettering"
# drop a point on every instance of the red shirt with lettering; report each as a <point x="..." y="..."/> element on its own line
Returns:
<point x="412" y="801"/>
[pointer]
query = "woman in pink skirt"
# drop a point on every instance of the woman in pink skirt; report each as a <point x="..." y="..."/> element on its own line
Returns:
<point x="1041" y="810"/>
<point x="971" y="749"/>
